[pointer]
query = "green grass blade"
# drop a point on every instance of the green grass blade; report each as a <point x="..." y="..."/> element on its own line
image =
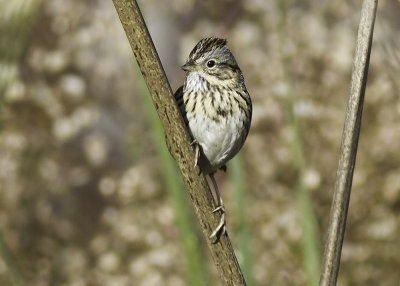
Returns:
<point x="243" y="232"/>
<point x="197" y="274"/>
<point x="311" y="248"/>
<point x="17" y="18"/>
<point x="13" y="270"/>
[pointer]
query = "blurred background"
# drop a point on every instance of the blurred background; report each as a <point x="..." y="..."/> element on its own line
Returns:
<point x="89" y="195"/>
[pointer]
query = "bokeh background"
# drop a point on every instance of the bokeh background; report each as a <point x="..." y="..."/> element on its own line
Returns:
<point x="90" y="196"/>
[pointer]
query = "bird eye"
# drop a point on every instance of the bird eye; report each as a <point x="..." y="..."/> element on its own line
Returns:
<point x="210" y="63"/>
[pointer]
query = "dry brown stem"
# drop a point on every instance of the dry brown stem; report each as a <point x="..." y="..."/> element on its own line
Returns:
<point x="177" y="138"/>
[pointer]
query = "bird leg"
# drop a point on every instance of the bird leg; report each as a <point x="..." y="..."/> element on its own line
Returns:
<point x="196" y="150"/>
<point x="220" y="229"/>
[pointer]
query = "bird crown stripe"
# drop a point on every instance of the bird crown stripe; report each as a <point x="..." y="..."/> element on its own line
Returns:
<point x="205" y="46"/>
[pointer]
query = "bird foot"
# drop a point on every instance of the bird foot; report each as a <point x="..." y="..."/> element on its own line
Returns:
<point x="220" y="229"/>
<point x="219" y="208"/>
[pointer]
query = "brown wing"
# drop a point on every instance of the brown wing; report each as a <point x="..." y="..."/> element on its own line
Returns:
<point x="181" y="104"/>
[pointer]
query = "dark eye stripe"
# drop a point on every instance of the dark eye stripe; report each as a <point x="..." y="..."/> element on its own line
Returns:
<point x="232" y="67"/>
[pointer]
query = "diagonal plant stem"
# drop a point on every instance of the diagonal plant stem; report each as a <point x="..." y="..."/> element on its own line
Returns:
<point x="17" y="18"/>
<point x="310" y="245"/>
<point x="348" y="149"/>
<point x="177" y="138"/>
<point x="12" y="267"/>
<point x="243" y="232"/>
<point x="196" y="271"/>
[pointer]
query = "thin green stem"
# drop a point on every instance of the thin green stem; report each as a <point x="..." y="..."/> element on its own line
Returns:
<point x="12" y="267"/>
<point x="243" y="232"/>
<point x="195" y="263"/>
<point x="310" y="240"/>
<point x="311" y="248"/>
<point x="16" y="21"/>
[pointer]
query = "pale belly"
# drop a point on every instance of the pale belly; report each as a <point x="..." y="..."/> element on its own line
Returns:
<point x="220" y="141"/>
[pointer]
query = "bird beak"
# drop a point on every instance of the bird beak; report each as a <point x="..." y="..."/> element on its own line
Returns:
<point x="189" y="66"/>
